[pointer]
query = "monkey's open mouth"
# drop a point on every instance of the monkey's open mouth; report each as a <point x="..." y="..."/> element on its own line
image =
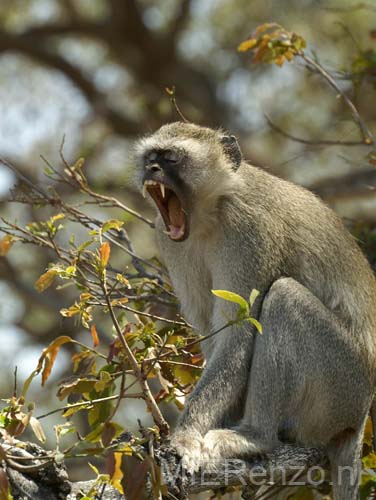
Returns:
<point x="170" y="208"/>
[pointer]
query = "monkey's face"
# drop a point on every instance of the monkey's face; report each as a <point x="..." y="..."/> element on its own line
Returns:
<point x="162" y="181"/>
<point x="183" y="167"/>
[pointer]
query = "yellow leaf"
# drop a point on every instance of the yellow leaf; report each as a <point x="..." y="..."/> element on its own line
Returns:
<point x="49" y="355"/>
<point x="368" y="432"/>
<point x="56" y="217"/>
<point x="280" y="60"/>
<point x="79" y="164"/>
<point x="256" y="323"/>
<point x="112" y="224"/>
<point x="85" y="296"/>
<point x="247" y="45"/>
<point x="45" y="280"/>
<point x="369" y="461"/>
<point x="117" y="474"/>
<point x="185" y="375"/>
<point x="254" y="294"/>
<point x="122" y="280"/>
<point x="6" y="244"/>
<point x="71" y="311"/>
<point x="94" y="335"/>
<point x="104" y="253"/>
<point x="119" y="302"/>
<point x="232" y="297"/>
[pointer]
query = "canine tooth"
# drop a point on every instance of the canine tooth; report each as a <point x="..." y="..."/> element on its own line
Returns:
<point x="144" y="190"/>
<point x="162" y="187"/>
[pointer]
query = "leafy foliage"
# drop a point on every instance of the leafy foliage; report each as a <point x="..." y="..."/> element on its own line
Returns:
<point x="271" y="43"/>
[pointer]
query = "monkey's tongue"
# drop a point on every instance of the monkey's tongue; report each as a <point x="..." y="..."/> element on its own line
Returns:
<point x="177" y="218"/>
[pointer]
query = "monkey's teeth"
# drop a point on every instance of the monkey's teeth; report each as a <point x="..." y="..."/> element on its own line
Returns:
<point x="162" y="188"/>
<point x="146" y="184"/>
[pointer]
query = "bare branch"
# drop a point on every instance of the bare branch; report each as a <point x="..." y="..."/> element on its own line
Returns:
<point x="309" y="142"/>
<point x="147" y="395"/>
<point x="280" y="467"/>
<point x="366" y="133"/>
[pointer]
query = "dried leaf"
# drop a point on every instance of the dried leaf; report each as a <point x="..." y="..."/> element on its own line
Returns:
<point x="6" y="244"/>
<point x="104" y="252"/>
<point x="368" y="432"/>
<point x="45" y="280"/>
<point x="5" y="493"/>
<point x="247" y="45"/>
<point x="37" y="429"/>
<point x="134" y="480"/>
<point x="47" y="360"/>
<point x="94" y="335"/>
<point x="271" y="43"/>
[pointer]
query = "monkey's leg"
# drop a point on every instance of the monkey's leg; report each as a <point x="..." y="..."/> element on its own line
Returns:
<point x="218" y="398"/>
<point x="308" y="381"/>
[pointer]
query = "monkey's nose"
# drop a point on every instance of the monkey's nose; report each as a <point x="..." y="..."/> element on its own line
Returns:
<point x="153" y="167"/>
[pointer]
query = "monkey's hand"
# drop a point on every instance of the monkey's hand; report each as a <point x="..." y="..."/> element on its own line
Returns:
<point x="188" y="444"/>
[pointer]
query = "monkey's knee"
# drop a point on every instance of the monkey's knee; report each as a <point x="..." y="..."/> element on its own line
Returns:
<point x="285" y="293"/>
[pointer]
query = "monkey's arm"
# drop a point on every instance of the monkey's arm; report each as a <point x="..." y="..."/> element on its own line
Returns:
<point x="219" y="395"/>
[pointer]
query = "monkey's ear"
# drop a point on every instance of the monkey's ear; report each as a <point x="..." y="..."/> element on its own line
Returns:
<point x="232" y="150"/>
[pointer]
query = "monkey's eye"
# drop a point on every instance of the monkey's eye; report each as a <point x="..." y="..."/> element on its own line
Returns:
<point x="171" y="156"/>
<point x="152" y="156"/>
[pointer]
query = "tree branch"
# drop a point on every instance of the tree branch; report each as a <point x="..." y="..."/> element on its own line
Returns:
<point x="33" y="48"/>
<point x="309" y="142"/>
<point x="314" y="66"/>
<point x="279" y="467"/>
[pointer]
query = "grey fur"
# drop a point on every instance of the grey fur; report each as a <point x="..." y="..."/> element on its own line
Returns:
<point x="310" y="376"/>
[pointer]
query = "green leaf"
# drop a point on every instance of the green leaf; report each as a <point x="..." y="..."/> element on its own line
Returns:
<point x="232" y="297"/>
<point x="112" y="224"/>
<point x="254" y="294"/>
<point x="256" y="323"/>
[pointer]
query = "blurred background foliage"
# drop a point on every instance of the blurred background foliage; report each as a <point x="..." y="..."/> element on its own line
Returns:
<point x="96" y="72"/>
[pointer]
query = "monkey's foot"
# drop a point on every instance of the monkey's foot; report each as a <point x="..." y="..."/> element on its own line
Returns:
<point x="220" y="445"/>
<point x="189" y="446"/>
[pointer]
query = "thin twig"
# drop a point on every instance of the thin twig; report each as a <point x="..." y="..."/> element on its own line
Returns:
<point x="366" y="133"/>
<point x="309" y="142"/>
<point x="148" y="397"/>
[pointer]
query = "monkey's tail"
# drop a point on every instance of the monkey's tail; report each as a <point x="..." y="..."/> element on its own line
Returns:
<point x="345" y="464"/>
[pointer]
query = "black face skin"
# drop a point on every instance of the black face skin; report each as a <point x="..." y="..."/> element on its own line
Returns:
<point x="162" y="167"/>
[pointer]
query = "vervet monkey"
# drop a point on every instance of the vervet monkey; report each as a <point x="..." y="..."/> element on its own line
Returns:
<point x="309" y="378"/>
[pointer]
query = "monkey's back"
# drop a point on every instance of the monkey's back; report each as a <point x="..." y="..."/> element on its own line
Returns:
<point x="304" y="239"/>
